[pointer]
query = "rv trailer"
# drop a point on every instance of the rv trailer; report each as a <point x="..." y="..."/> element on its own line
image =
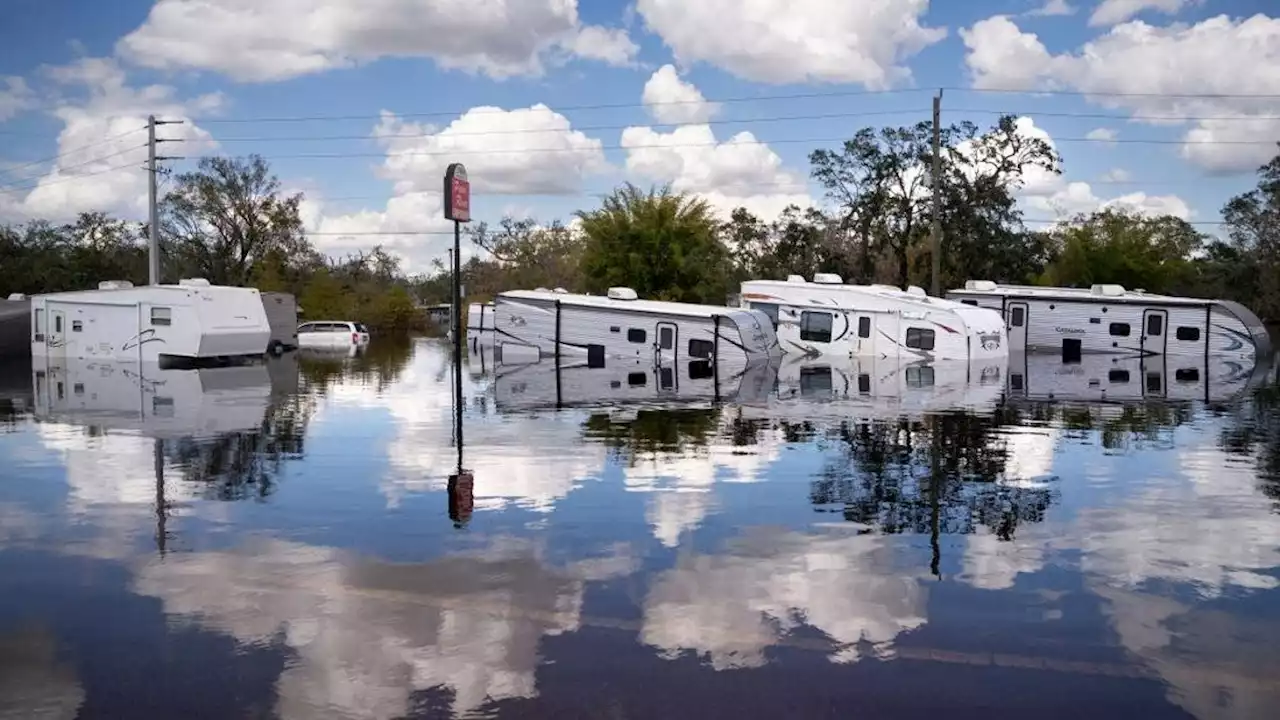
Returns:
<point x="827" y="317"/>
<point x="15" y="326"/>
<point x="1099" y="378"/>
<point x="620" y="330"/>
<point x="190" y="321"/>
<point x="1109" y="319"/>
<point x="480" y="323"/>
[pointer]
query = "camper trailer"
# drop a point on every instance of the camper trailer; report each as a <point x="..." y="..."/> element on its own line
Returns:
<point x="1111" y="319"/>
<point x="190" y="321"/>
<point x="1099" y="378"/>
<point x="827" y="317"/>
<point x="15" y="326"/>
<point x="623" y="331"/>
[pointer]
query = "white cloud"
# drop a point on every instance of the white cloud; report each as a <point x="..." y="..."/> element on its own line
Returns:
<point x="266" y="40"/>
<point x="1117" y="175"/>
<point x="1108" y="135"/>
<point x="672" y="101"/>
<point x="413" y="223"/>
<point x="526" y="151"/>
<point x="1112" y="12"/>
<point x="1156" y="71"/>
<point x="1054" y="8"/>
<point x="15" y="97"/>
<point x="778" y="41"/>
<point x="101" y="147"/>
<point x="739" y="172"/>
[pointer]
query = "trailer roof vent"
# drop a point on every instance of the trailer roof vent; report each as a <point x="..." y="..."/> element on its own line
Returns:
<point x="622" y="293"/>
<point x="115" y="285"/>
<point x="1107" y="290"/>
<point x="194" y="282"/>
<point x="542" y="289"/>
<point x="795" y="278"/>
<point x="980" y="285"/>
<point x="17" y="296"/>
<point x="560" y="291"/>
<point x="882" y="286"/>
<point x="917" y="291"/>
<point x="828" y="279"/>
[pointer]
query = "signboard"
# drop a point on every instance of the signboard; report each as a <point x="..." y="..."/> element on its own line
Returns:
<point x="457" y="194"/>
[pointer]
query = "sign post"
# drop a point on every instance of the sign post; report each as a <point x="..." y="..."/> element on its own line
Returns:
<point x="457" y="207"/>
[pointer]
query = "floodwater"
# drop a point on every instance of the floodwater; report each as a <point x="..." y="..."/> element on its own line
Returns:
<point x="284" y="541"/>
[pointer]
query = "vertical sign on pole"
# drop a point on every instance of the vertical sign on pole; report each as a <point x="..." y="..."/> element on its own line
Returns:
<point x="457" y="207"/>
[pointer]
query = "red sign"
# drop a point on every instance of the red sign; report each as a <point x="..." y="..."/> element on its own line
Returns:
<point x="457" y="194"/>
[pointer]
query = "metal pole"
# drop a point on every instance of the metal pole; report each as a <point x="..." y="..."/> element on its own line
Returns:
<point x="153" y="235"/>
<point x="457" y="335"/>
<point x="936" y="230"/>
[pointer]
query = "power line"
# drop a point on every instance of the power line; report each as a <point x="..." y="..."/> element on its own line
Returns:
<point x="117" y="154"/>
<point x="714" y="143"/>
<point x="72" y="151"/>
<point x="1118" y="94"/>
<point x="68" y="178"/>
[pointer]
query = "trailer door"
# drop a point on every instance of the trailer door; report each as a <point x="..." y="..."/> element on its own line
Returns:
<point x="1017" y="317"/>
<point x="1154" y="335"/>
<point x="56" y="339"/>
<point x="665" y="355"/>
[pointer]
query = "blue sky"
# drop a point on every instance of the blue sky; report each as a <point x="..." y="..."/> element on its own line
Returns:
<point x="79" y="78"/>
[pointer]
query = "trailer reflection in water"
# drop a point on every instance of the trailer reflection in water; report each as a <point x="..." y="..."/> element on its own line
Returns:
<point x="824" y="539"/>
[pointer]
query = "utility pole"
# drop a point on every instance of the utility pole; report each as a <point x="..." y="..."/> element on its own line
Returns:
<point x="153" y="215"/>
<point x="935" y="234"/>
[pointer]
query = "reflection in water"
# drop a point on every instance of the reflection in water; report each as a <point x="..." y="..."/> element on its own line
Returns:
<point x="731" y="606"/>
<point x="34" y="684"/>
<point x="366" y="634"/>
<point x="924" y="516"/>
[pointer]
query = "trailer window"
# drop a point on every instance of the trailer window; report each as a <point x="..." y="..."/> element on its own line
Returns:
<point x="969" y="302"/>
<point x="37" y="324"/>
<point x="161" y="316"/>
<point x="1120" y="329"/>
<point x="814" y="380"/>
<point x="1187" y="375"/>
<point x="770" y="309"/>
<point x="701" y="348"/>
<point x="636" y="335"/>
<point x="864" y="383"/>
<point x="1188" y="334"/>
<point x="1017" y="316"/>
<point x="595" y="356"/>
<point x="864" y="327"/>
<point x="76" y="326"/>
<point x="815" y="326"/>
<point x="919" y="376"/>
<point x="920" y="338"/>
<point x="1155" y="324"/>
<point x="1118" y="377"/>
<point x="637" y="379"/>
<point x="57" y="323"/>
<point x="666" y="337"/>
<point x="700" y="370"/>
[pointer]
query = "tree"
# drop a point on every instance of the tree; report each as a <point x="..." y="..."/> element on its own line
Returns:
<point x="1252" y="223"/>
<point x="799" y="242"/>
<point x="662" y="244"/>
<point x="229" y="215"/>
<point x="532" y="255"/>
<point x="1125" y="248"/>
<point x="880" y="182"/>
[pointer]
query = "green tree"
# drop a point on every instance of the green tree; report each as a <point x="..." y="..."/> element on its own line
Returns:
<point x="663" y="244"/>
<point x="323" y="297"/>
<point x="1253" y="235"/>
<point x="228" y="216"/>
<point x="531" y="255"/>
<point x="1125" y="248"/>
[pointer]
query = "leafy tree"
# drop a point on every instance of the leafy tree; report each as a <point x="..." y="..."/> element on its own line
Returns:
<point x="325" y="298"/>
<point x="533" y="255"/>
<point x="228" y="216"/>
<point x="663" y="244"/>
<point x="1114" y="246"/>
<point x="1253" y="231"/>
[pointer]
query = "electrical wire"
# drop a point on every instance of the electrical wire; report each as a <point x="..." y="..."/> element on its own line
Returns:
<point x="80" y="164"/>
<point x="72" y="151"/>
<point x="69" y="178"/>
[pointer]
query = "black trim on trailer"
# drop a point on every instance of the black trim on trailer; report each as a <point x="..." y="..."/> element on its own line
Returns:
<point x="1208" y="338"/>
<point x="715" y="357"/>
<point x="559" y="397"/>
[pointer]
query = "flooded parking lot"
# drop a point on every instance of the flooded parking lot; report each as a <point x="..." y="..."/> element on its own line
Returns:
<point x="285" y="541"/>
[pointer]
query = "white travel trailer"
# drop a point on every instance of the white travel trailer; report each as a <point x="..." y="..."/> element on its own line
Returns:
<point x="190" y="321"/>
<point x="479" y="319"/>
<point x="619" y="330"/>
<point x="1110" y="319"/>
<point x="827" y="317"/>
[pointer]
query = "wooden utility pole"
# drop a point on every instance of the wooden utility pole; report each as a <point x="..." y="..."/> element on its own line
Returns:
<point x="935" y="233"/>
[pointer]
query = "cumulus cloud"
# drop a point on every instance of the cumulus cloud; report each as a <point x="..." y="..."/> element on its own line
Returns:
<point x="1112" y="12"/>
<point x="1117" y="175"/>
<point x="777" y="41"/>
<point x="1167" y="71"/>
<point x="411" y="226"/>
<point x="672" y="101"/>
<point x="1103" y="135"/>
<point x="738" y="172"/>
<point x="267" y="40"/>
<point x="15" y="96"/>
<point x="1054" y="8"/>
<point x="102" y="146"/>
<point x="526" y="151"/>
